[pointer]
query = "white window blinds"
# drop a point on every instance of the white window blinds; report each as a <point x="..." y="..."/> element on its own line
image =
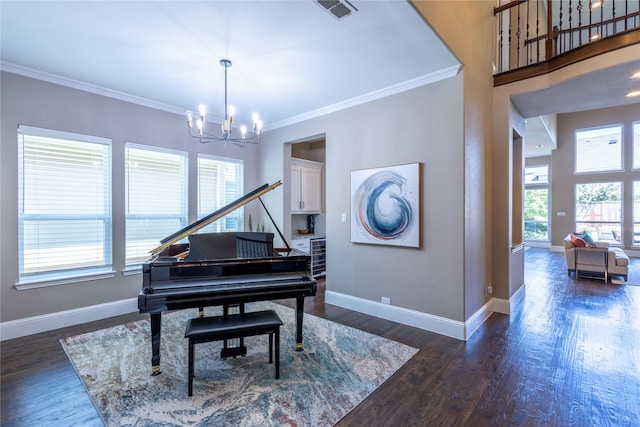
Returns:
<point x="64" y="204"/>
<point x="220" y="181"/>
<point x="156" y="197"/>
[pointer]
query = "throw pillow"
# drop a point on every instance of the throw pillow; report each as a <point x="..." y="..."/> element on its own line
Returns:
<point x="577" y="241"/>
<point x="587" y="238"/>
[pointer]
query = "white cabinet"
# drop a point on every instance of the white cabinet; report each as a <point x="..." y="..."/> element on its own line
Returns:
<point x="306" y="193"/>
<point x="302" y="244"/>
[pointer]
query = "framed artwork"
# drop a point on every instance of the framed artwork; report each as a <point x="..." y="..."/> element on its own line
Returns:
<point x="385" y="208"/>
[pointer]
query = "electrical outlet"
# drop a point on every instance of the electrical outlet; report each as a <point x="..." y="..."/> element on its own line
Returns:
<point x="386" y="300"/>
<point x="489" y="289"/>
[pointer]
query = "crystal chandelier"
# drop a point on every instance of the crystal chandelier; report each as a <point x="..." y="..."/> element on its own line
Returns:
<point x="229" y="113"/>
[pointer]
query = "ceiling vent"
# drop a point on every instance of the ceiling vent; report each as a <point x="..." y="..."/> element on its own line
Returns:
<point x="338" y="9"/>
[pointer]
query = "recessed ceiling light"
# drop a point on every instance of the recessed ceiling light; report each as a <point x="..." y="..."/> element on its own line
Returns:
<point x="596" y="4"/>
<point x="595" y="37"/>
<point x="539" y="145"/>
<point x="636" y="75"/>
<point x="633" y="93"/>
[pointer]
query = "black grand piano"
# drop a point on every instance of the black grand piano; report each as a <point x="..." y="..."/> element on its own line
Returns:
<point x="228" y="269"/>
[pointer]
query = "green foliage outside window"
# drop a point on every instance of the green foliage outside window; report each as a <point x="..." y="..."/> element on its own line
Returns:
<point x="535" y="214"/>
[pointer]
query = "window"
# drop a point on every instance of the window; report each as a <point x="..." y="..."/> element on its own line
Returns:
<point x="636" y="145"/>
<point x="64" y="205"/>
<point x="599" y="149"/>
<point x="599" y="210"/>
<point x="220" y="181"/>
<point x="534" y="175"/>
<point x="156" y="198"/>
<point x="636" y="213"/>
<point x="536" y="202"/>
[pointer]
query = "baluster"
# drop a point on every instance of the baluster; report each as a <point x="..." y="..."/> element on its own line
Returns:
<point x="613" y="16"/>
<point x="601" y="18"/>
<point x="559" y="43"/>
<point x="538" y="31"/>
<point x="500" y="33"/>
<point x="518" y="32"/>
<point x="590" y="19"/>
<point x="528" y="56"/>
<point x="580" y="22"/>
<point x="570" y="26"/>
<point x="509" y="44"/>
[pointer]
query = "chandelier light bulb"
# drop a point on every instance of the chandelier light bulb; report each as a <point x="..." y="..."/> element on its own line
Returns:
<point x="189" y="119"/>
<point x="200" y="126"/>
<point x="243" y="131"/>
<point x="255" y="118"/>
<point x="202" y="109"/>
<point x="232" y="112"/>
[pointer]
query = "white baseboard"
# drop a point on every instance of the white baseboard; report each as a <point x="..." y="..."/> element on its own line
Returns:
<point x="47" y="322"/>
<point x="429" y="322"/>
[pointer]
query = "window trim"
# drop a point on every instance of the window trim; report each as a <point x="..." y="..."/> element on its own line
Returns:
<point x="620" y="222"/>
<point x="74" y="275"/>
<point x="620" y="143"/>
<point x="546" y="185"/>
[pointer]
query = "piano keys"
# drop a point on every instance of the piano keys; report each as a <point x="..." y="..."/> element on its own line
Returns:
<point x="231" y="268"/>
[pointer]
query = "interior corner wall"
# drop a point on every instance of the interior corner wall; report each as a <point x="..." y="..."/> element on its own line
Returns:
<point x="37" y="103"/>
<point x="475" y="50"/>
<point x="506" y="120"/>
<point x="423" y="125"/>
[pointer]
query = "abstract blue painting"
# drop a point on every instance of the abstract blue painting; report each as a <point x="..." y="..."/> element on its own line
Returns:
<point x="385" y="205"/>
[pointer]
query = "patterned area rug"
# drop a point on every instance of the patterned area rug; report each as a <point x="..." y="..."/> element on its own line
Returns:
<point x="338" y="368"/>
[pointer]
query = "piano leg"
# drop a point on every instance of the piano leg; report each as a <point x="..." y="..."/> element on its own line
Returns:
<point x="299" y="316"/>
<point x="156" y="323"/>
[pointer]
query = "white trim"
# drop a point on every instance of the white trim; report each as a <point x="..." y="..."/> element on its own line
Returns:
<point x="47" y="322"/>
<point x="537" y="244"/>
<point x="429" y="322"/>
<point x="634" y="253"/>
<point x="99" y="90"/>
<point x="87" y="87"/>
<point x="372" y="96"/>
<point x="476" y="320"/>
<point x="49" y="280"/>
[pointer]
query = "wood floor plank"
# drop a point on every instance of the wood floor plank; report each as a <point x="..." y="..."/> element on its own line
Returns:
<point x="569" y="354"/>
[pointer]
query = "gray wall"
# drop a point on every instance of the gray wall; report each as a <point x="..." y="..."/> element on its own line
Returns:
<point x="562" y="166"/>
<point x="423" y="125"/>
<point x="35" y="103"/>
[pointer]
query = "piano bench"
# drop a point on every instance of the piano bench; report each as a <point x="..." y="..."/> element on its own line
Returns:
<point x="217" y="328"/>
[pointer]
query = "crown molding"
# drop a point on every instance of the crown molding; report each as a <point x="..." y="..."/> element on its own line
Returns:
<point x="372" y="96"/>
<point x="99" y="90"/>
<point x="87" y="87"/>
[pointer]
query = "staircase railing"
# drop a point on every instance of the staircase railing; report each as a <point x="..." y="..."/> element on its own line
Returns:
<point x="538" y="36"/>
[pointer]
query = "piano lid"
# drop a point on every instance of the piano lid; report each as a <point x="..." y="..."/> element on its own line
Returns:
<point x="203" y="222"/>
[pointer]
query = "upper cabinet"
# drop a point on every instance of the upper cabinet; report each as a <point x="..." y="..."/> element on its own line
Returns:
<point x="306" y="195"/>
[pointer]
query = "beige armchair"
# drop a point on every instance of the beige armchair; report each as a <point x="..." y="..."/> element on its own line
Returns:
<point x="603" y="260"/>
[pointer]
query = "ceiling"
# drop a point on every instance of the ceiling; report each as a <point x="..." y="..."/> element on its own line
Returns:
<point x="292" y="60"/>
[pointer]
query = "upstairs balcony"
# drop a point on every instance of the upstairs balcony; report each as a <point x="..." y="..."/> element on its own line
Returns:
<point x="535" y="37"/>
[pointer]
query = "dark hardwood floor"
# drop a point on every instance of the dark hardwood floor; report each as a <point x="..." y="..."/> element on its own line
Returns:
<point x="569" y="354"/>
